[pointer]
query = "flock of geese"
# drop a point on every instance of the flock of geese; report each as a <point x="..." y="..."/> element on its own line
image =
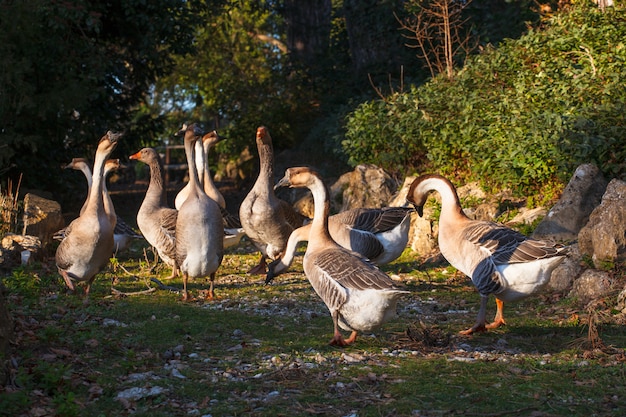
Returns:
<point x="343" y="251"/>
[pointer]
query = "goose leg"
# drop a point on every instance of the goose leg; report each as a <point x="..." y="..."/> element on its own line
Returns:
<point x="499" y="319"/>
<point x="261" y="268"/>
<point x="185" y="292"/>
<point x="338" y="339"/>
<point x="480" y="320"/>
<point x="211" y="293"/>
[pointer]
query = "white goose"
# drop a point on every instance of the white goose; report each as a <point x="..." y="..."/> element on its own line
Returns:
<point x="88" y="242"/>
<point x="360" y="297"/>
<point x="199" y="227"/>
<point x="378" y="234"/>
<point x="232" y="227"/>
<point x="157" y="221"/>
<point x="499" y="260"/>
<point x="267" y="220"/>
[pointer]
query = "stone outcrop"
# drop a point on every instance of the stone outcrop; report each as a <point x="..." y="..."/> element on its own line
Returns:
<point x="604" y="236"/>
<point x="365" y="186"/>
<point x="581" y="195"/>
<point x="42" y="218"/>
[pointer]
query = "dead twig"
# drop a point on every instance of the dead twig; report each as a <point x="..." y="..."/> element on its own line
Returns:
<point x="126" y="294"/>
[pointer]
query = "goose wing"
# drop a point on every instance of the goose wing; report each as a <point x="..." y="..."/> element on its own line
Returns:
<point x="351" y="271"/>
<point x="506" y="246"/>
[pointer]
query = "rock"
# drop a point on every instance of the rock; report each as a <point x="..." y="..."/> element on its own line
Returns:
<point x="42" y="218"/>
<point x="604" y="235"/>
<point x="15" y="249"/>
<point x="581" y="195"/>
<point x="591" y="285"/>
<point x="366" y="186"/>
<point x="564" y="275"/>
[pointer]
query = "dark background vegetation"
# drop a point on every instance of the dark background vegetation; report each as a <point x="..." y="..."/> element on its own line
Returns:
<point x="542" y="92"/>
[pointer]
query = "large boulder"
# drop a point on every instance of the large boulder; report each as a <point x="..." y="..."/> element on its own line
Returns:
<point x="591" y="285"/>
<point x="42" y="218"/>
<point x="366" y="186"/>
<point x="581" y="195"/>
<point x="604" y="235"/>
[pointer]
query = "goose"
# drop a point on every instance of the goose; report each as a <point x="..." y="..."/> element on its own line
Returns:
<point x="199" y="227"/>
<point x="157" y="221"/>
<point x="359" y="296"/>
<point x="232" y="226"/>
<point x="123" y="234"/>
<point x="88" y="241"/>
<point x="267" y="220"/>
<point x="499" y="260"/>
<point x="378" y="234"/>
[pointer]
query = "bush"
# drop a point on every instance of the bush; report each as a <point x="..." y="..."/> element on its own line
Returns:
<point x="521" y="116"/>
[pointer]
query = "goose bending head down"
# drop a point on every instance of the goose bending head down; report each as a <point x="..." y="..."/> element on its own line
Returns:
<point x="499" y="260"/>
<point x="199" y="227"/>
<point x="360" y="297"/>
<point x="88" y="242"/>
<point x="378" y="234"/>
<point x="157" y="221"/>
<point x="267" y="220"/>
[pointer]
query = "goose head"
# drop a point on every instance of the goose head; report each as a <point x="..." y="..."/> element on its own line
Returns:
<point x="263" y="136"/>
<point x="421" y="187"/>
<point x="211" y="139"/>
<point x="297" y="177"/>
<point x="146" y="155"/>
<point x="108" y="142"/>
<point x="77" y="164"/>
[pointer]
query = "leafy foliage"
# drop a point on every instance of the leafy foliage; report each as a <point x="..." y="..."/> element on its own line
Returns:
<point x="521" y="116"/>
<point x="73" y="70"/>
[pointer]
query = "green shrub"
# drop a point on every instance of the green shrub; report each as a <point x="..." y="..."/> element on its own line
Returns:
<point x="521" y="116"/>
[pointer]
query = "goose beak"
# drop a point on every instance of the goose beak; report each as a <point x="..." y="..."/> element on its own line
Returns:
<point x="135" y="155"/>
<point x="284" y="182"/>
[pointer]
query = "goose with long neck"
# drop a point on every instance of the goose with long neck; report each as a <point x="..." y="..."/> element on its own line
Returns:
<point x="122" y="232"/>
<point x="498" y="259"/>
<point x="157" y="221"/>
<point x="360" y="296"/>
<point x="200" y="162"/>
<point x="267" y="220"/>
<point x="199" y="227"/>
<point x="88" y="241"/>
<point x="378" y="234"/>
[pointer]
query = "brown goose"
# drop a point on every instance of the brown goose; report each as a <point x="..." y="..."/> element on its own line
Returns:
<point x="360" y="297"/>
<point x="267" y="220"/>
<point x="499" y="260"/>
<point x="155" y="220"/>
<point x="199" y="227"/>
<point x="88" y="241"/>
<point x="378" y="234"/>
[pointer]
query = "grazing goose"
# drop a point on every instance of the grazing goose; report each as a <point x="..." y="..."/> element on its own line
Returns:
<point x="199" y="227"/>
<point x="499" y="260"/>
<point x="88" y="242"/>
<point x="267" y="220"/>
<point x="378" y="234"/>
<point x="122" y="232"/>
<point x="155" y="220"/>
<point x="360" y="297"/>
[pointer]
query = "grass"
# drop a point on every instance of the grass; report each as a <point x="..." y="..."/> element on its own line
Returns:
<point x="263" y="350"/>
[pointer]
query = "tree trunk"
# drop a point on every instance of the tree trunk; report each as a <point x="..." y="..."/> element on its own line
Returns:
<point x="6" y="336"/>
<point x="374" y="37"/>
<point x="308" y="29"/>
